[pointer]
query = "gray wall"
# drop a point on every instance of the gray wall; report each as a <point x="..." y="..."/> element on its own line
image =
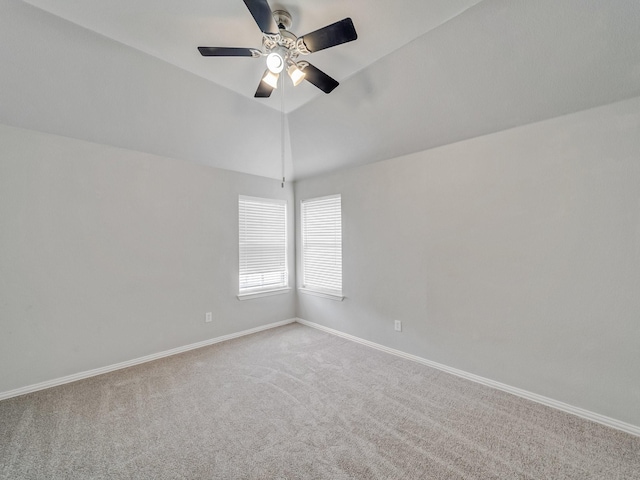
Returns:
<point x="108" y="255"/>
<point x="514" y="256"/>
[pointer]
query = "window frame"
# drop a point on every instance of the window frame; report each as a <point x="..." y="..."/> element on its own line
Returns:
<point x="265" y="289"/>
<point x="304" y="287"/>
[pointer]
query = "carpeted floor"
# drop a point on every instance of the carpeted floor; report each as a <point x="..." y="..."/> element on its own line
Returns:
<point x="294" y="402"/>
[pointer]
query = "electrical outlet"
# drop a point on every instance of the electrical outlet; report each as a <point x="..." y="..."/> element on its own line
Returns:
<point x="398" y="325"/>
<point x="208" y="317"/>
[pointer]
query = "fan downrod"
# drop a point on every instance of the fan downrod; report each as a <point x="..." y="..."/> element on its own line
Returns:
<point x="282" y="19"/>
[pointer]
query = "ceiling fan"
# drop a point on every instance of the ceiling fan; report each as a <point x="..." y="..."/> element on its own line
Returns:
<point x="282" y="48"/>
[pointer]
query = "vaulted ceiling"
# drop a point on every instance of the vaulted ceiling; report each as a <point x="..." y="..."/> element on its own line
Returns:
<point x="422" y="73"/>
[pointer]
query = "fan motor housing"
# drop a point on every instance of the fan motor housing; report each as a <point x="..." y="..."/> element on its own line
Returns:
<point x="285" y="38"/>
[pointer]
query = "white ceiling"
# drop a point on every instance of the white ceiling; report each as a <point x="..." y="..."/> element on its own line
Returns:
<point x="422" y="73"/>
<point x="173" y="29"/>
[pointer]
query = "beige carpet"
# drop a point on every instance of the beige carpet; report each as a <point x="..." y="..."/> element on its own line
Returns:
<point x="295" y="402"/>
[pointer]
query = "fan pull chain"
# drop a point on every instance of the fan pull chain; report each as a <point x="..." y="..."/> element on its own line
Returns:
<point x="282" y="125"/>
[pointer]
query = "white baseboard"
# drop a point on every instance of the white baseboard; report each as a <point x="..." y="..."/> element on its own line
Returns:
<point x="580" y="412"/>
<point x="136" y="361"/>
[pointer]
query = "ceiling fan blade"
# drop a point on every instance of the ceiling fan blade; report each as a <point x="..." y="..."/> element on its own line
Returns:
<point x="227" y="52"/>
<point x="330" y="36"/>
<point x="320" y="79"/>
<point x="264" y="90"/>
<point x="263" y="16"/>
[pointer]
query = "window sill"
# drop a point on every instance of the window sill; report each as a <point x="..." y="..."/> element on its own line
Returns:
<point x="263" y="293"/>
<point x="316" y="293"/>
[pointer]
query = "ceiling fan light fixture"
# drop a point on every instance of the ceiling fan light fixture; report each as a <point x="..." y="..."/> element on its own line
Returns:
<point x="295" y="74"/>
<point x="282" y="48"/>
<point x="271" y="79"/>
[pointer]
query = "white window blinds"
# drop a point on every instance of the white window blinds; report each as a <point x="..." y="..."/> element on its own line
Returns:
<point x="263" y="244"/>
<point x="322" y="244"/>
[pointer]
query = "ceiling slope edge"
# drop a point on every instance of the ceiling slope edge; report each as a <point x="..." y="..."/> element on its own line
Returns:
<point x="69" y="81"/>
<point x="497" y="66"/>
<point x="389" y="54"/>
<point x="170" y="30"/>
<point x="142" y="51"/>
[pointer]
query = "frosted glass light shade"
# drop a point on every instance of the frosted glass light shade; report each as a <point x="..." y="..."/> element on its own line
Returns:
<point x="296" y="74"/>
<point x="271" y="79"/>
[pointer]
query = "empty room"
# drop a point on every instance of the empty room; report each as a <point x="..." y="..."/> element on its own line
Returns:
<point x="249" y="239"/>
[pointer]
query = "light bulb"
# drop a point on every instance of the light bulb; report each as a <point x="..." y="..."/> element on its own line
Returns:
<point x="275" y="62"/>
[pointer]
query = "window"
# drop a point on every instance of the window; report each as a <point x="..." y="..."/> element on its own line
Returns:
<point x="322" y="246"/>
<point x="263" y="246"/>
